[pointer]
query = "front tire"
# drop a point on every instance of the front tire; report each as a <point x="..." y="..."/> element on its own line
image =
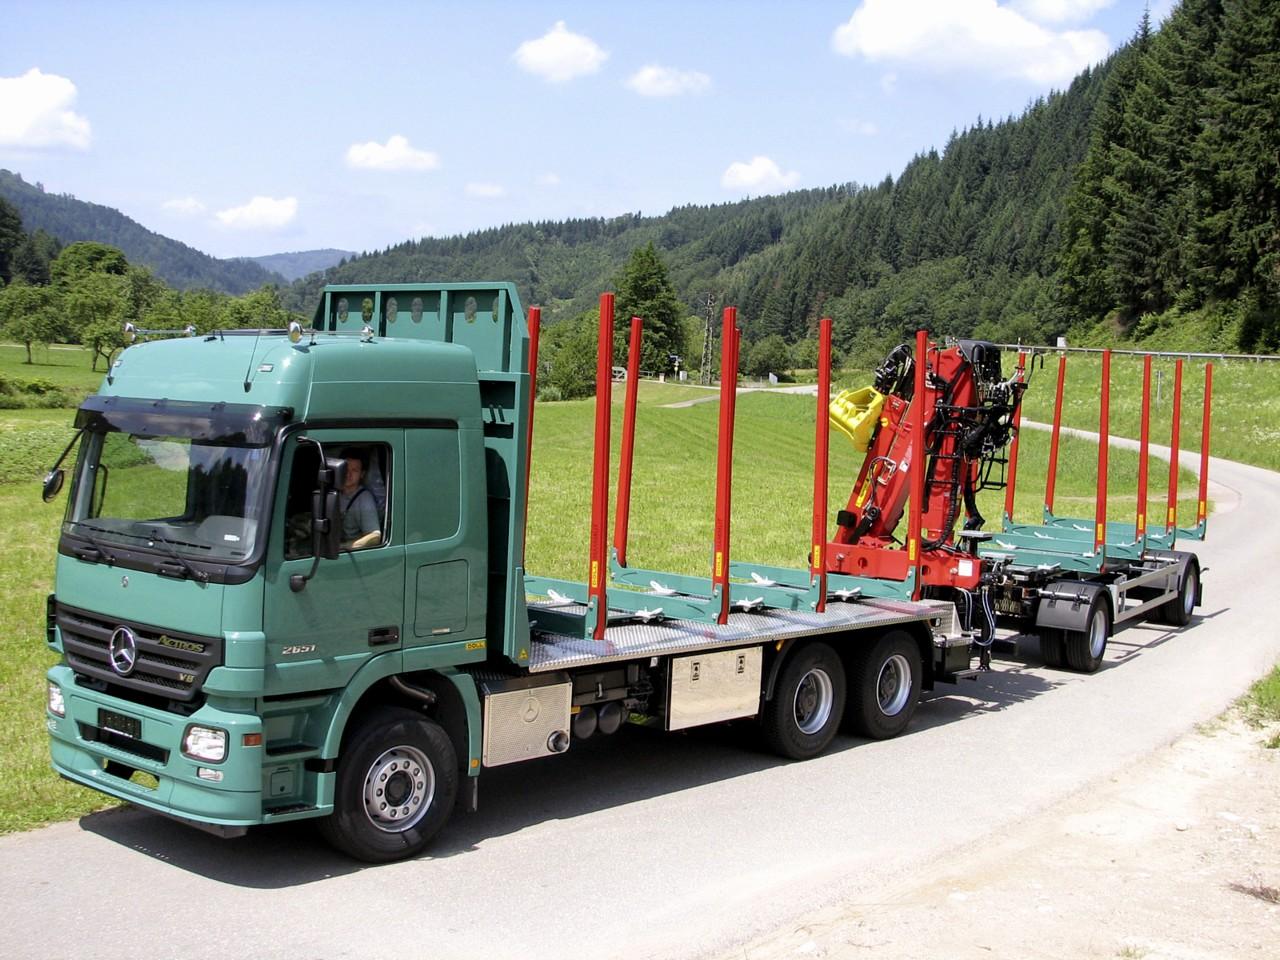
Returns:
<point x="1086" y="647"/>
<point x="808" y="701"/>
<point x="396" y="785"/>
<point x="886" y="687"/>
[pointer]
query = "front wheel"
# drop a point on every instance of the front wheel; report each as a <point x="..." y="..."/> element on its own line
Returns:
<point x="886" y="687"/>
<point x="804" y="714"/>
<point x="396" y="785"/>
<point x="1086" y="647"/>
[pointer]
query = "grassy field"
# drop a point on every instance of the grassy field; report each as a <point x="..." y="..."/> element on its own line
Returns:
<point x="1261" y="704"/>
<point x="671" y="528"/>
<point x="1245" y="415"/>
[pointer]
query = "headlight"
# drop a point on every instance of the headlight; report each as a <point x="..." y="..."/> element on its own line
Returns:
<point x="205" y="743"/>
<point x="56" y="704"/>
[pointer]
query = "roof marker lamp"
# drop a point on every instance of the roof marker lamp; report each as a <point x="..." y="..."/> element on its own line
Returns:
<point x="205" y="743"/>
<point x="295" y="331"/>
<point x="366" y="334"/>
<point x="130" y="333"/>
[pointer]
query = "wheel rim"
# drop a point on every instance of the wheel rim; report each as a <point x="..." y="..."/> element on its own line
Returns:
<point x="399" y="788"/>
<point x="1189" y="592"/>
<point x="813" y="701"/>
<point x="893" y="686"/>
<point x="1097" y="633"/>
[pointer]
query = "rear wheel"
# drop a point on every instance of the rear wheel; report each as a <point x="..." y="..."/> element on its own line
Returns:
<point x="1086" y="647"/>
<point x="808" y="700"/>
<point x="886" y="687"/>
<point x="1177" y="612"/>
<point x="396" y="785"/>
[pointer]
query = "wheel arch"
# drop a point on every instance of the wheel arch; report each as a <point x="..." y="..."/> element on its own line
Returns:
<point x="456" y="708"/>
<point x="1068" y="606"/>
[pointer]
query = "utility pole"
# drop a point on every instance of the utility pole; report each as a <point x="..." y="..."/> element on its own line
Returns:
<point x="708" y="338"/>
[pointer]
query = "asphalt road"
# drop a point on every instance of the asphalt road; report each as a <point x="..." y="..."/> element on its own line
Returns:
<point x="652" y="846"/>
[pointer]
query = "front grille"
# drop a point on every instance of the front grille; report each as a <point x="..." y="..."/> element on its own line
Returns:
<point x="169" y="664"/>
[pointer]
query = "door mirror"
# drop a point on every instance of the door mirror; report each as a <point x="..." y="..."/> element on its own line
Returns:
<point x="52" y="484"/>
<point x="326" y="516"/>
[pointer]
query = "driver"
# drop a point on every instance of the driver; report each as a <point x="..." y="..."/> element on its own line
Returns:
<point x="360" y="524"/>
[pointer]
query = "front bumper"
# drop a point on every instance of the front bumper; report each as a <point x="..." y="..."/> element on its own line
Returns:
<point x="80" y="750"/>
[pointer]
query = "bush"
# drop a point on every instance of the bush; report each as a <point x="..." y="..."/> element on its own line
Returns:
<point x="22" y="393"/>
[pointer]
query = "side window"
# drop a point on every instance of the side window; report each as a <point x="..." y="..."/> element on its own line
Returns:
<point x="363" y="499"/>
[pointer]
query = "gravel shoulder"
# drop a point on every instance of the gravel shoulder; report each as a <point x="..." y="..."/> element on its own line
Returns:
<point x="1176" y="857"/>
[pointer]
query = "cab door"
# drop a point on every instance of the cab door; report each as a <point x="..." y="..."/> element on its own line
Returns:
<point x="352" y="609"/>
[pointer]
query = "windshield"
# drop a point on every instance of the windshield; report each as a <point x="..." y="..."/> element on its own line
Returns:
<point x="198" y="495"/>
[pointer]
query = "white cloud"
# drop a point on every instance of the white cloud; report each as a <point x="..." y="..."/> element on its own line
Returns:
<point x="260" y="213"/>
<point x="761" y="175"/>
<point x="558" y="55"/>
<point x="395" y="154"/>
<point x="35" y="111"/>
<point x="655" y="80"/>
<point x="1061" y="11"/>
<point x="549" y="180"/>
<point x="486" y="191"/>
<point x="184" y="206"/>
<point x="863" y="128"/>
<point x="889" y="82"/>
<point x="977" y="35"/>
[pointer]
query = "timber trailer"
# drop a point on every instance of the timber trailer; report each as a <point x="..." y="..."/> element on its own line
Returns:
<point x="219" y="632"/>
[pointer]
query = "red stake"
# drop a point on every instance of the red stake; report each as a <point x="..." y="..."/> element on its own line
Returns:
<point x="622" y="514"/>
<point x="1013" y="449"/>
<point x="724" y="457"/>
<point x="917" y="464"/>
<point x="821" y="456"/>
<point x="1175" y="433"/>
<point x="535" y="329"/>
<point x="1140" y="526"/>
<point x="1104" y="428"/>
<point x="1052" y="480"/>
<point x="1201" y="508"/>
<point x="596" y="589"/>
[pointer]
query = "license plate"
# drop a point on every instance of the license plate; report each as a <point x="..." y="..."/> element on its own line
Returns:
<point x="111" y="722"/>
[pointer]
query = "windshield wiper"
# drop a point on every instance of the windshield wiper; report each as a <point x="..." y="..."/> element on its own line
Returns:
<point x="97" y="546"/>
<point x="197" y="575"/>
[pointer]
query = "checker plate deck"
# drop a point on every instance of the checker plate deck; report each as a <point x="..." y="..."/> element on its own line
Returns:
<point x="627" y="641"/>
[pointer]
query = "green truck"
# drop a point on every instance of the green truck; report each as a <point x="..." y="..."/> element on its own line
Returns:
<point x="290" y="584"/>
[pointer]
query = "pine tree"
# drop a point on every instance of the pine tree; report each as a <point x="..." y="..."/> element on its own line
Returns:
<point x="645" y="291"/>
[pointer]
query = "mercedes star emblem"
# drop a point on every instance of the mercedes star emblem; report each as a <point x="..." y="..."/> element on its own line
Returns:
<point x="123" y="651"/>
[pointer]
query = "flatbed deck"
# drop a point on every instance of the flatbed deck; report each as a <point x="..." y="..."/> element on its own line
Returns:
<point x="631" y="640"/>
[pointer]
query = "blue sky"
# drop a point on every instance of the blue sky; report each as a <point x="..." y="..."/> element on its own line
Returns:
<point x="254" y="128"/>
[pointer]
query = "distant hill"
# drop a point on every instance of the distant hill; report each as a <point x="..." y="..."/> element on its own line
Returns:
<point x="295" y="266"/>
<point x="72" y="220"/>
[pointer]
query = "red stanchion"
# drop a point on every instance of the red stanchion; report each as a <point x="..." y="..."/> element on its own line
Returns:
<point x="1140" y="521"/>
<point x="729" y="343"/>
<point x="1052" y="479"/>
<point x="917" y="464"/>
<point x="622" y="512"/>
<point x="1203" y="502"/>
<point x="821" y="456"/>
<point x="1104" y="429"/>
<point x="1013" y="449"/>
<point x="599" y="564"/>
<point x="1175" y="435"/>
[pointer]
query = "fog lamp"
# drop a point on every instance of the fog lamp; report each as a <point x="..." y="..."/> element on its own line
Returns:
<point x="204" y="773"/>
<point x="205" y="743"/>
<point x="57" y="706"/>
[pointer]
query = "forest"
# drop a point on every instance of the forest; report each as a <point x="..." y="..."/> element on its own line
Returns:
<point x="1141" y="204"/>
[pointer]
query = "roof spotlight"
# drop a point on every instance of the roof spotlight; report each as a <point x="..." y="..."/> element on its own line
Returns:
<point x="295" y="331"/>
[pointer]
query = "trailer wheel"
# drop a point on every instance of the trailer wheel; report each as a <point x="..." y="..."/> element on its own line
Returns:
<point x="1086" y="647"/>
<point x="1053" y="647"/>
<point x="808" y="701"/>
<point x="396" y="785"/>
<point x="1177" y="612"/>
<point x="886" y="687"/>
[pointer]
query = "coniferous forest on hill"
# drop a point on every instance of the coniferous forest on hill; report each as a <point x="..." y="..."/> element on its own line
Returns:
<point x="1142" y="203"/>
